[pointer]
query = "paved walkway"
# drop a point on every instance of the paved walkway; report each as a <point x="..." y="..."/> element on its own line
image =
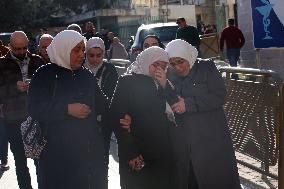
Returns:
<point x="250" y="179"/>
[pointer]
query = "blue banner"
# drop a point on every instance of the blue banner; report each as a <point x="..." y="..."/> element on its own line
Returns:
<point x="268" y="23"/>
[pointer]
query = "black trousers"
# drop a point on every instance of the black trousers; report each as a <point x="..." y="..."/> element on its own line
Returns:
<point x="17" y="148"/>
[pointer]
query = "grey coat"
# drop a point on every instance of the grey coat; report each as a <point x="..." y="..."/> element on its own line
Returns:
<point x="203" y="134"/>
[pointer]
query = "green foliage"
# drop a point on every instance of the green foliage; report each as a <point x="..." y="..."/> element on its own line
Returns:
<point x="24" y="14"/>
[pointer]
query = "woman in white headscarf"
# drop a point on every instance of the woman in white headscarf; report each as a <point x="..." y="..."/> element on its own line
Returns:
<point x="144" y="151"/>
<point x="205" y="158"/>
<point x="105" y="72"/>
<point x="65" y="98"/>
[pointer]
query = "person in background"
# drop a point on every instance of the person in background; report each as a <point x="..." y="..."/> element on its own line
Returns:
<point x="234" y="42"/>
<point x="145" y="149"/>
<point x="130" y="43"/>
<point x="74" y="27"/>
<point x="209" y="29"/>
<point x="90" y="31"/>
<point x="148" y="41"/>
<point x="117" y="50"/>
<point x="151" y="40"/>
<point x="42" y="31"/>
<point x="44" y="42"/>
<point x="187" y="33"/>
<point x="107" y="77"/>
<point x="16" y="69"/>
<point x="204" y="158"/>
<point x="64" y="97"/>
<point x="110" y="36"/>
<point x="200" y="27"/>
<point x="104" y="37"/>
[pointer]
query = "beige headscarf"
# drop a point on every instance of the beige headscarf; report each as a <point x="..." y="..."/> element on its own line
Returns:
<point x="148" y="57"/>
<point x="60" y="48"/>
<point x="182" y="49"/>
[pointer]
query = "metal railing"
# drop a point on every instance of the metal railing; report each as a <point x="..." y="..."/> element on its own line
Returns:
<point x="255" y="113"/>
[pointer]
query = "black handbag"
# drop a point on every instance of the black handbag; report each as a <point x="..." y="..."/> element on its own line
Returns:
<point x="33" y="138"/>
<point x="34" y="135"/>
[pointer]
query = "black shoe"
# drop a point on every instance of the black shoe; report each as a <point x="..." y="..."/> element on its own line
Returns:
<point x="4" y="167"/>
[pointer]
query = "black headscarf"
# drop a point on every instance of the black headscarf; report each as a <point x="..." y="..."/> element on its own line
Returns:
<point x="157" y="38"/>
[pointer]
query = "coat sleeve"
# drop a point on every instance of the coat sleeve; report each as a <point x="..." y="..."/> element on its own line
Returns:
<point x="42" y="104"/>
<point x="214" y="97"/>
<point x="118" y="108"/>
<point x="170" y="93"/>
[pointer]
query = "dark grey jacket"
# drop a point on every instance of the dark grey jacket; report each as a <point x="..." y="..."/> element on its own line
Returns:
<point x="203" y="127"/>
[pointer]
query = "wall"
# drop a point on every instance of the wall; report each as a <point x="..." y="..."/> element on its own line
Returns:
<point x="207" y="13"/>
<point x="144" y="3"/>
<point x="186" y="11"/>
<point x="269" y="58"/>
<point x="230" y="8"/>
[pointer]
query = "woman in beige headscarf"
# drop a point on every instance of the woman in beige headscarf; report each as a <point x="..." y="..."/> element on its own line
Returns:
<point x="65" y="98"/>
<point x="144" y="151"/>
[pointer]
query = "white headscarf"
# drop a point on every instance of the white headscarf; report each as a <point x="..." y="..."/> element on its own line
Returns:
<point x="182" y="49"/>
<point x="60" y="48"/>
<point x="148" y="57"/>
<point x="94" y="42"/>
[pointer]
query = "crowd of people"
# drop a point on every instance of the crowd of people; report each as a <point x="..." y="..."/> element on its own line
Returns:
<point x="166" y="112"/>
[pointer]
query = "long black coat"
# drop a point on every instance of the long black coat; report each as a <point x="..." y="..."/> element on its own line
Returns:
<point x="137" y="95"/>
<point x="73" y="157"/>
<point x="203" y="129"/>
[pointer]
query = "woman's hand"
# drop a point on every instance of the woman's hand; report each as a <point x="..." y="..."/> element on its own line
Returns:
<point x="179" y="107"/>
<point x="126" y="122"/>
<point x="137" y="163"/>
<point x="160" y="76"/>
<point x="78" y="110"/>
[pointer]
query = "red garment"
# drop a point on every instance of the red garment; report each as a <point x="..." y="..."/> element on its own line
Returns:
<point x="233" y="36"/>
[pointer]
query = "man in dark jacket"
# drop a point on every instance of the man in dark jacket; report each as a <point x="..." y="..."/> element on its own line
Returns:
<point x="187" y="33"/>
<point x="90" y="31"/>
<point x="16" y="68"/>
